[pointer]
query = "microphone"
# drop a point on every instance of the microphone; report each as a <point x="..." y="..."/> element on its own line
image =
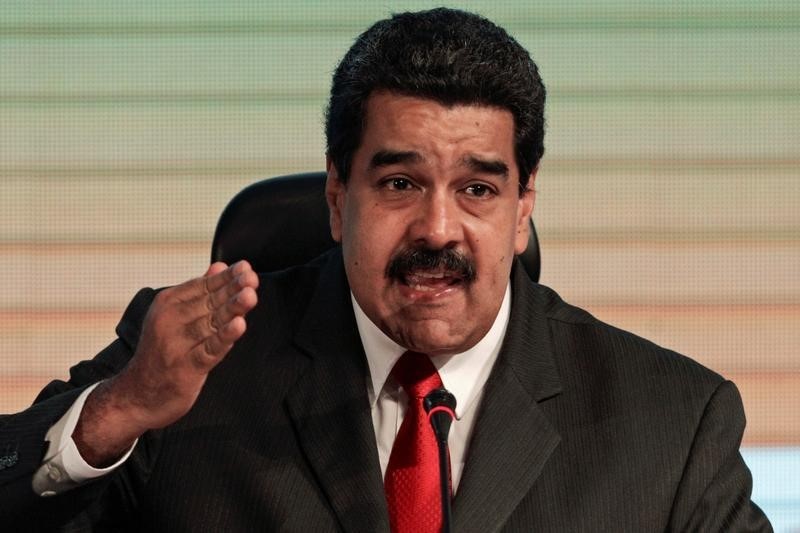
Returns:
<point x="440" y="405"/>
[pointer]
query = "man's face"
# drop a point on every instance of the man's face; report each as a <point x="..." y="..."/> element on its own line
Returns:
<point x="442" y="181"/>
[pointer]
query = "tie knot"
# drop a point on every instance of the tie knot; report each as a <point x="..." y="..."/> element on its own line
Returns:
<point x="415" y="372"/>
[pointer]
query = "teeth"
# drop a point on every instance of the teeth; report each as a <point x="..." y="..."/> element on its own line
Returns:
<point x="430" y="275"/>
<point x="427" y="280"/>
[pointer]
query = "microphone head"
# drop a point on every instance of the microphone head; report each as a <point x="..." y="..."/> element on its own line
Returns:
<point x="440" y="405"/>
<point x="439" y="398"/>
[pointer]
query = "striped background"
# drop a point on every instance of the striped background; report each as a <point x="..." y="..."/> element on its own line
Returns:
<point x="669" y="197"/>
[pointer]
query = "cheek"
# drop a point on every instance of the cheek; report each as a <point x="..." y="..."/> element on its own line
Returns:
<point x="366" y="248"/>
<point x="353" y="231"/>
<point x="495" y="241"/>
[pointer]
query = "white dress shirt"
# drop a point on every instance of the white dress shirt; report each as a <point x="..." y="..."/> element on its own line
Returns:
<point x="464" y="375"/>
<point x="63" y="467"/>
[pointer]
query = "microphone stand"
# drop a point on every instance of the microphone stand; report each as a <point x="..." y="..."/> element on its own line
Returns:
<point x="440" y="405"/>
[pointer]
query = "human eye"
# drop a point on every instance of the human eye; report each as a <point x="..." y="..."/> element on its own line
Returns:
<point x="397" y="183"/>
<point x="479" y="190"/>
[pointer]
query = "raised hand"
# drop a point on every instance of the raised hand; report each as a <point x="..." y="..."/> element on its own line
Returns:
<point x="187" y="331"/>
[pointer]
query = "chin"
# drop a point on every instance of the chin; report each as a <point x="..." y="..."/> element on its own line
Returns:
<point x="432" y="341"/>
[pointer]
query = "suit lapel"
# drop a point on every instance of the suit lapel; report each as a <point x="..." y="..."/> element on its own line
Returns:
<point x="330" y="410"/>
<point x="512" y="438"/>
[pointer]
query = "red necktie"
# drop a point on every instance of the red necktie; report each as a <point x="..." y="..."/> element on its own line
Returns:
<point x="412" y="476"/>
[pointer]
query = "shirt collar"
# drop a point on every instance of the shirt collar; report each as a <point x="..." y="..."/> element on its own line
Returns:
<point x="463" y="374"/>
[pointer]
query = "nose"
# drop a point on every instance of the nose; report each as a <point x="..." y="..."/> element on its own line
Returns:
<point x="437" y="221"/>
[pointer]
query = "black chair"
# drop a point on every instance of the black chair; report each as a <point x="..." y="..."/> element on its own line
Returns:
<point x="281" y="222"/>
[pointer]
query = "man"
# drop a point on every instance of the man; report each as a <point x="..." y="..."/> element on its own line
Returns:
<point x="239" y="402"/>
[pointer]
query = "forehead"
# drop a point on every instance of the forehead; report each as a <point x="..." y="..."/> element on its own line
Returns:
<point x="432" y="129"/>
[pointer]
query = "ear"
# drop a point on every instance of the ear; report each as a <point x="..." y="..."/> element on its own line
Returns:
<point x="334" y="195"/>
<point x="524" y="210"/>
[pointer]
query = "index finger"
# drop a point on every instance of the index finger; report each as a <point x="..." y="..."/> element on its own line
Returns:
<point x="217" y="276"/>
<point x="213" y="282"/>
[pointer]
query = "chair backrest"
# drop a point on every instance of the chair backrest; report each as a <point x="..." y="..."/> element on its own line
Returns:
<point x="280" y="222"/>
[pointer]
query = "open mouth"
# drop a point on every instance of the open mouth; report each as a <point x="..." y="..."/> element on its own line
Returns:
<point x="431" y="280"/>
<point x="434" y="272"/>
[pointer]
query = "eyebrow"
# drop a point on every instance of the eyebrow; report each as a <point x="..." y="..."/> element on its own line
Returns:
<point x="384" y="158"/>
<point x="492" y="166"/>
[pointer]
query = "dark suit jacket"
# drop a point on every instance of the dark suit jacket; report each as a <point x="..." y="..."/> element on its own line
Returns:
<point x="583" y="427"/>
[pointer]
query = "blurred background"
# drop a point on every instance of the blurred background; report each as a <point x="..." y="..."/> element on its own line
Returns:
<point x="668" y="199"/>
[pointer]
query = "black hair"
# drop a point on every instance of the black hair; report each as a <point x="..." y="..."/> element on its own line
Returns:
<point x="449" y="56"/>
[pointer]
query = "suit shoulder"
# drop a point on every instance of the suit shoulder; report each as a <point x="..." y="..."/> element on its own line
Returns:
<point x="295" y="284"/>
<point x="284" y="296"/>
<point x="581" y="334"/>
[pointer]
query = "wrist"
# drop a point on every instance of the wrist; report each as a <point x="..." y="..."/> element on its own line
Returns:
<point x="108" y="426"/>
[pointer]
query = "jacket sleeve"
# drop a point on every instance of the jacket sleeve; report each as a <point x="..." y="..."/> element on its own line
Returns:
<point x="22" y="435"/>
<point x="714" y="492"/>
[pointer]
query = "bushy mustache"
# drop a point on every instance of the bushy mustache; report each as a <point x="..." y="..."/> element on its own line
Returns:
<point x="409" y="260"/>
